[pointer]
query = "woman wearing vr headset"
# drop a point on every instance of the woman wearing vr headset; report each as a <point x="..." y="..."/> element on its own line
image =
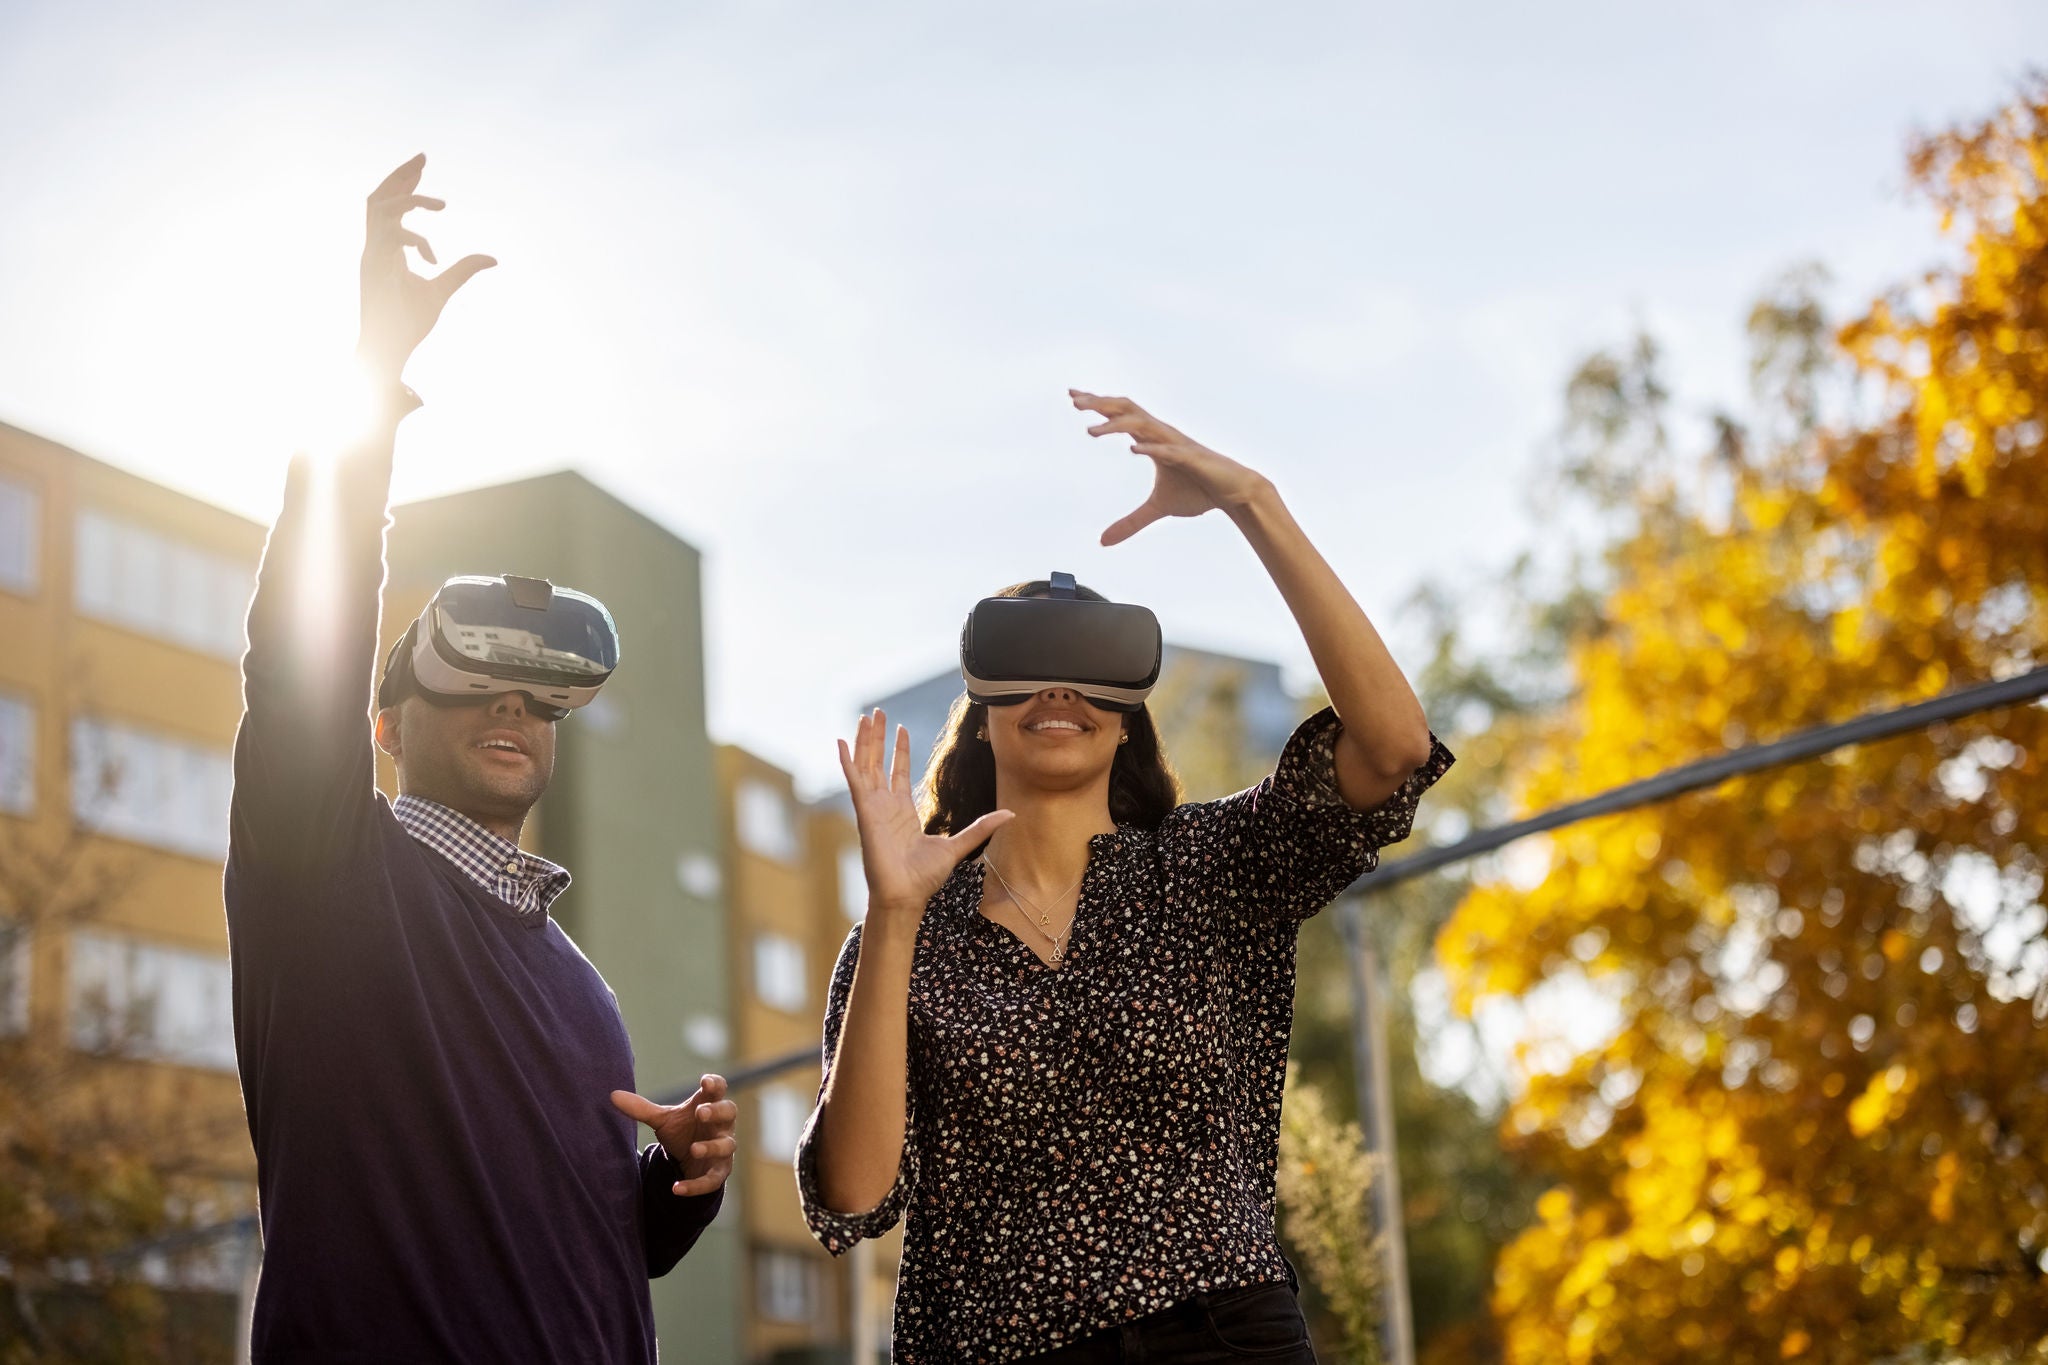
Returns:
<point x="1057" y="1043"/>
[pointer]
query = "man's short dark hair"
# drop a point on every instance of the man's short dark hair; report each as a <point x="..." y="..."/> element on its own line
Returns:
<point x="396" y="683"/>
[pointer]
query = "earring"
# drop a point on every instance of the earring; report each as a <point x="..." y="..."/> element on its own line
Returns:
<point x="1124" y="738"/>
<point x="982" y="734"/>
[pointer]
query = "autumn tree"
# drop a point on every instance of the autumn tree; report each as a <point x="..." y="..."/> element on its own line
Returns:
<point x="1815" y="1124"/>
<point x="110" y="1180"/>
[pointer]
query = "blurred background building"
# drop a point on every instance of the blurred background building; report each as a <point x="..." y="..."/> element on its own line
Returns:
<point x="793" y="889"/>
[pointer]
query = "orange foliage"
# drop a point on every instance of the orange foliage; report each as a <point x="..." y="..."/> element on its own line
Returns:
<point x="1820" y="1132"/>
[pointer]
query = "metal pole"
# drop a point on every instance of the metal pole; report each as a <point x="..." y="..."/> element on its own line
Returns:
<point x="866" y="1307"/>
<point x="1376" y="1114"/>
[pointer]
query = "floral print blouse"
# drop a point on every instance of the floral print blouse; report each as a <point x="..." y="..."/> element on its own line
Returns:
<point x="1096" y="1142"/>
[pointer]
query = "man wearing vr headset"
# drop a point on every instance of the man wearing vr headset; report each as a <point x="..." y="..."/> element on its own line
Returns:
<point x="439" y="1085"/>
<point x="1062" y="1060"/>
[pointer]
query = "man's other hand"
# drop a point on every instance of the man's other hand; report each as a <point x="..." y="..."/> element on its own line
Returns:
<point x="697" y="1134"/>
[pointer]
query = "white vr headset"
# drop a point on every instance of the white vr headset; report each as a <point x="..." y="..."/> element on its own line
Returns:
<point x="482" y="637"/>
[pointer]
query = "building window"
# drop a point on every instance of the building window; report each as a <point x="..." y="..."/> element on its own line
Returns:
<point x="136" y="999"/>
<point x="705" y="1035"/>
<point x="779" y="972"/>
<point x="782" y="1114"/>
<point x="853" y="884"/>
<point x="14" y="966"/>
<point x="698" y="874"/>
<point x="17" y="756"/>
<point x="786" y="1286"/>
<point x="765" y="820"/>
<point x="20" y="541"/>
<point x="132" y="576"/>
<point x="151" y="788"/>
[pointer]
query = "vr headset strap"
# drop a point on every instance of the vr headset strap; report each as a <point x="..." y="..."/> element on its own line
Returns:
<point x="1062" y="585"/>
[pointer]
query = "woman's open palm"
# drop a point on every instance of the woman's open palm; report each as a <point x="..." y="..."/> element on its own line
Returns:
<point x="905" y="866"/>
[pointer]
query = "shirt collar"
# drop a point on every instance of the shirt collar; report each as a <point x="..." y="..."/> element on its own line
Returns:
<point x="526" y="882"/>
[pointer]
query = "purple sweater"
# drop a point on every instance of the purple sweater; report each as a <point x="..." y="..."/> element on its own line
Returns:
<point x="441" y="1172"/>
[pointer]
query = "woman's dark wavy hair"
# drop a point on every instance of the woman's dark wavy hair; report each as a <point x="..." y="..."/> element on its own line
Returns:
<point x="960" y="784"/>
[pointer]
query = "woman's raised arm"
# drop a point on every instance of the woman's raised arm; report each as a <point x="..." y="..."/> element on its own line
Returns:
<point x="1385" y="736"/>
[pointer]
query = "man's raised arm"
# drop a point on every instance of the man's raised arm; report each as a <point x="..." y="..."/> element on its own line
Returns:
<point x="303" y="760"/>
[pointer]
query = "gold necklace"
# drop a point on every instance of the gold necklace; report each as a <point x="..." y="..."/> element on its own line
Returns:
<point x="1044" y="926"/>
<point x="1044" y="920"/>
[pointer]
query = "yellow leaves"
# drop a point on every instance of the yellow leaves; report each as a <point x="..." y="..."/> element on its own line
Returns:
<point x="1882" y="1100"/>
<point x="1941" y="1204"/>
<point x="1475" y="946"/>
<point x="1724" y="625"/>
<point x="1847" y="634"/>
<point x="1898" y="557"/>
<point x="1867" y="1111"/>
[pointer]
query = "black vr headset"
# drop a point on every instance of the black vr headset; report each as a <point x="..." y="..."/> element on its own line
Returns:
<point x="1013" y="648"/>
<point x="480" y="637"/>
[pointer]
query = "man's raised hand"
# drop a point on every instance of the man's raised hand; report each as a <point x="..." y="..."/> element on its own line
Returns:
<point x="400" y="307"/>
<point x="696" y="1134"/>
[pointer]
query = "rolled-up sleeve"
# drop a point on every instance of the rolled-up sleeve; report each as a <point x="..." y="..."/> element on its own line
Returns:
<point x="1287" y="847"/>
<point x="837" y="1232"/>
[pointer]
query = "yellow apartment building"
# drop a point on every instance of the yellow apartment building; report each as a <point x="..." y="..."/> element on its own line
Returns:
<point x="121" y="609"/>
<point x="793" y="888"/>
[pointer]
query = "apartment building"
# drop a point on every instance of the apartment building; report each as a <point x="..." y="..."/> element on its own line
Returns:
<point x="794" y="888"/>
<point x="121" y="609"/>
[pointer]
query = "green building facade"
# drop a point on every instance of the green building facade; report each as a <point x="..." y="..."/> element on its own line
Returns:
<point x="633" y="811"/>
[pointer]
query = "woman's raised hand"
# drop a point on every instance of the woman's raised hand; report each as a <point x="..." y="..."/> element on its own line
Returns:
<point x="905" y="866"/>
<point x="1187" y="478"/>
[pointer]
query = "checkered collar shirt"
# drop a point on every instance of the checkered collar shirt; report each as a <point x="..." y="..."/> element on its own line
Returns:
<point x="526" y="882"/>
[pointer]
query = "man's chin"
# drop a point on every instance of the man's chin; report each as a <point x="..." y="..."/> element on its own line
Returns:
<point x="503" y="795"/>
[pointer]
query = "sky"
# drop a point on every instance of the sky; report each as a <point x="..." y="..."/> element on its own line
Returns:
<point x="807" y="283"/>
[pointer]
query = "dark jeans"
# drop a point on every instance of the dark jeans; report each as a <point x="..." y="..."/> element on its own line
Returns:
<point x="1257" y="1322"/>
